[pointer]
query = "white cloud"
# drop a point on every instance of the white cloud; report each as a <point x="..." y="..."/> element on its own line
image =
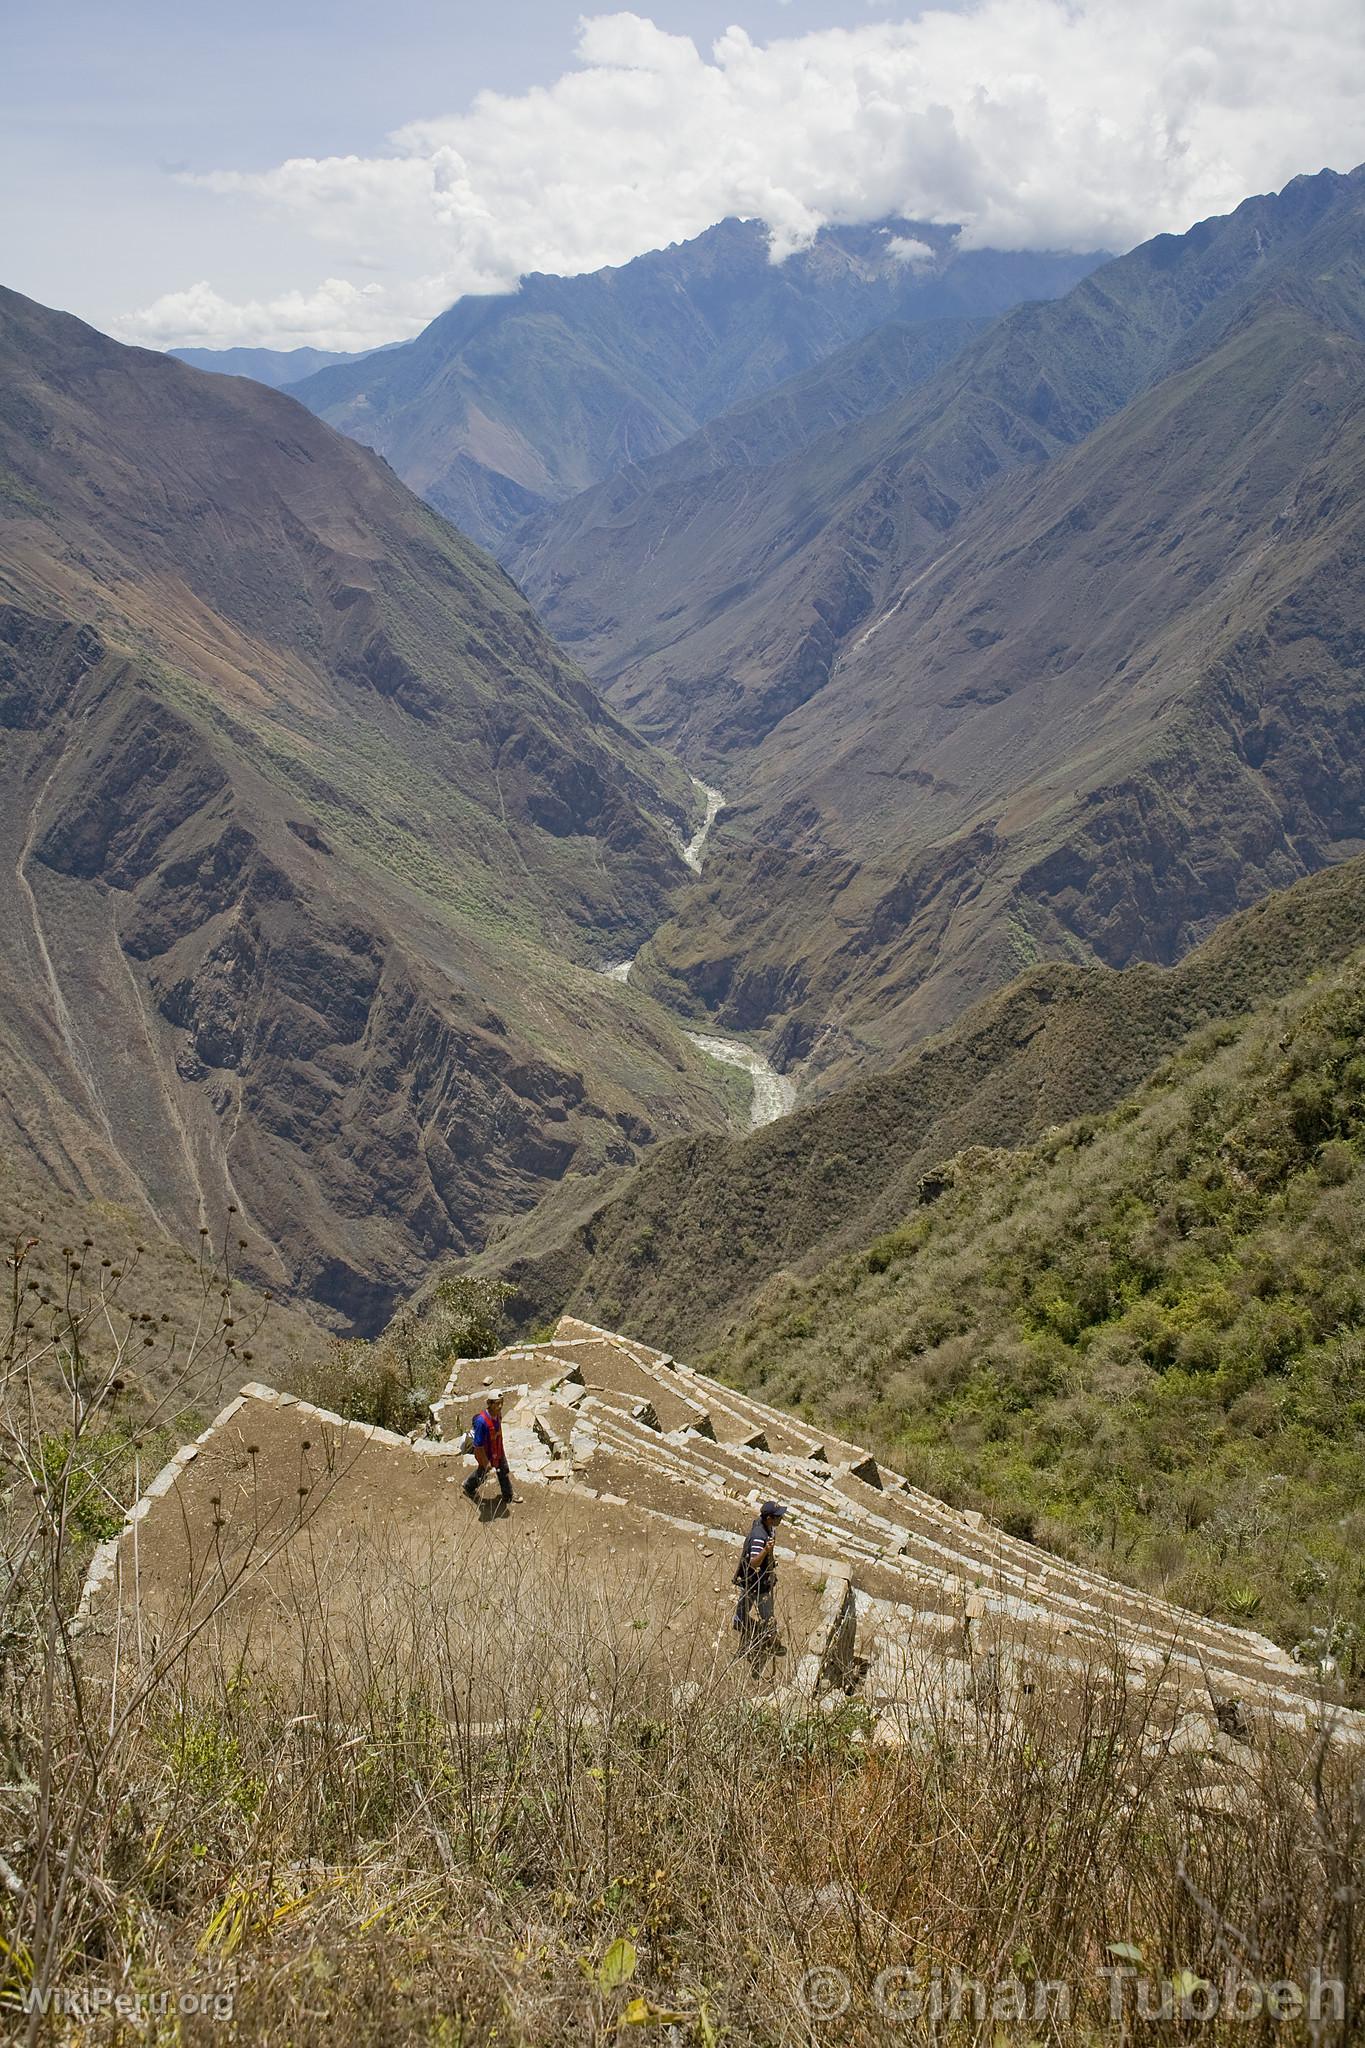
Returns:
<point x="908" y="249"/>
<point x="1060" y="123"/>
<point x="360" y="316"/>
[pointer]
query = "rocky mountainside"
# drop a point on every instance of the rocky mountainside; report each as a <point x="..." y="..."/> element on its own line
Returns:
<point x="1058" y="655"/>
<point x="683" y="1245"/>
<point x="312" y="837"/>
<point x="509" y="404"/>
<point x="628" y="535"/>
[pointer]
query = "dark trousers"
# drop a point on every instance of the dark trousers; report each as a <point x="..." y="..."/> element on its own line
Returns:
<point x="481" y="1472"/>
<point x="754" y="1613"/>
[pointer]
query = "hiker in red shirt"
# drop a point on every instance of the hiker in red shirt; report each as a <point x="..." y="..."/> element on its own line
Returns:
<point x="489" y="1455"/>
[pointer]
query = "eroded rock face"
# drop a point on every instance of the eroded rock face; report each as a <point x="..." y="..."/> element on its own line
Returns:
<point x="1054" y="653"/>
<point x="306" y="836"/>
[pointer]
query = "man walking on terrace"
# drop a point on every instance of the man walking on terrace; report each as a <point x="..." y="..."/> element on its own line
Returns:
<point x="756" y="1577"/>
<point x="489" y="1455"/>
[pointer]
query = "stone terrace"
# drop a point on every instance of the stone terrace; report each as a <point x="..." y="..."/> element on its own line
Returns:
<point x="626" y="1458"/>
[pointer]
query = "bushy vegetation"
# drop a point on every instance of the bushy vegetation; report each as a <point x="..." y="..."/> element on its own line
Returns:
<point x="1140" y="1340"/>
<point x="395" y="1380"/>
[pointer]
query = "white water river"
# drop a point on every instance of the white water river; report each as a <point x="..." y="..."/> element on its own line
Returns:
<point x="773" y="1093"/>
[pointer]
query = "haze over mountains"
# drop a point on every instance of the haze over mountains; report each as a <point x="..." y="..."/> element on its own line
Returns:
<point x="507" y="404"/>
<point x="313" y="838"/>
<point x="276" y="367"/>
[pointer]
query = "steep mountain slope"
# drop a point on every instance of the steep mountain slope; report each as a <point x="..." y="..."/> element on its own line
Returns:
<point x="1139" y="1339"/>
<point x="506" y="405"/>
<point x="610" y="545"/>
<point x="680" y="1248"/>
<point x="1059" y="656"/>
<point x="312" y="837"/>
<point x="1142" y="1339"/>
<point x="757" y="583"/>
<point x="276" y="367"/>
<point x="123" y="1275"/>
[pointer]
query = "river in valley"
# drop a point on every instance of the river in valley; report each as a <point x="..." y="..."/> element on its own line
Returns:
<point x="773" y="1093"/>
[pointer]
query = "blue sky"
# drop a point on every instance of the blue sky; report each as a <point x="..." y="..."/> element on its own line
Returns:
<point x="280" y="173"/>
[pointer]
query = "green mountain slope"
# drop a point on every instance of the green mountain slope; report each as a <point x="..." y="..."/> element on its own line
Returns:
<point x="679" y="1250"/>
<point x="506" y="405"/>
<point x="1094" y="1261"/>
<point x="1143" y="1338"/>
<point x="312" y="838"/>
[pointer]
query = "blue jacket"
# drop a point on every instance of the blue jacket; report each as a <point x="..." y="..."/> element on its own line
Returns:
<point x="488" y="1437"/>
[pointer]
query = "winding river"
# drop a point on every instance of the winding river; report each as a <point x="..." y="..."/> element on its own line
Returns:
<point x="773" y="1093"/>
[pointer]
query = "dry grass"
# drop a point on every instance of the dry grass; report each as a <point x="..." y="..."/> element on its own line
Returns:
<point x="437" y="1824"/>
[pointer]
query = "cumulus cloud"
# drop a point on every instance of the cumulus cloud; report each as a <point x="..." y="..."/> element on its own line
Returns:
<point x="1073" y="124"/>
<point x="909" y="249"/>
<point x="334" y="314"/>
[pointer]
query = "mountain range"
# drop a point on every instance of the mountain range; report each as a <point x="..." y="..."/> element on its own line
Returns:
<point x="1056" y="653"/>
<point x="510" y="403"/>
<point x="314" y="838"/>
<point x="1022" y="639"/>
<point x="277" y="367"/>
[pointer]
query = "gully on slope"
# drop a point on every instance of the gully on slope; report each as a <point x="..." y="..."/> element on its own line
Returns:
<point x="773" y="1093"/>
